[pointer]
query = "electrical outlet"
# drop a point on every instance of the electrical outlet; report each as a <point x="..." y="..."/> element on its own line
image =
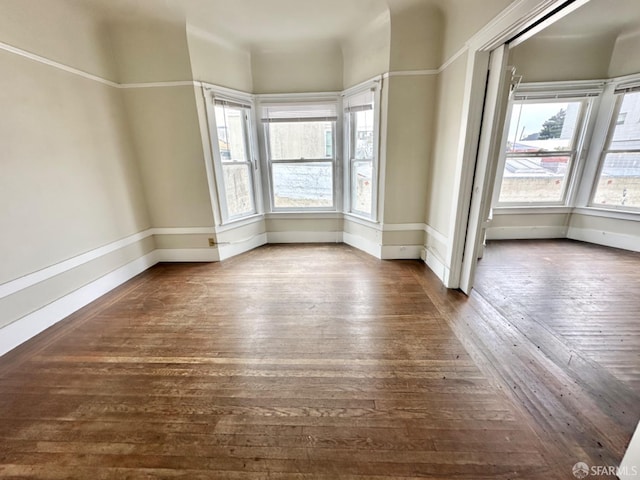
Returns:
<point x="212" y="242"/>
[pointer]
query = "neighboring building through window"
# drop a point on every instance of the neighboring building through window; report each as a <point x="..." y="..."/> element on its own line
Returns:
<point x="300" y="147"/>
<point x="618" y="183"/>
<point x="541" y="148"/>
<point x="361" y="147"/>
<point x="233" y="153"/>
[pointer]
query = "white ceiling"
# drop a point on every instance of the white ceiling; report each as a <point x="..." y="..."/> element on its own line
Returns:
<point x="598" y="18"/>
<point x="253" y="22"/>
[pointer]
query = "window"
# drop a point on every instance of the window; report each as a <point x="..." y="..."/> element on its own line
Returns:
<point x="300" y="146"/>
<point x="234" y="159"/>
<point x="541" y="149"/>
<point x="618" y="183"/>
<point x="361" y="146"/>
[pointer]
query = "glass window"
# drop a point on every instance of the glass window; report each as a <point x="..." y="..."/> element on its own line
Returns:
<point x="618" y="183"/>
<point x="301" y="155"/>
<point x="540" y="151"/>
<point x="362" y="149"/>
<point x="235" y="169"/>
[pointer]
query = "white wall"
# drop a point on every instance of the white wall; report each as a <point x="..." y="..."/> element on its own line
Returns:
<point x="366" y="53"/>
<point x="625" y="59"/>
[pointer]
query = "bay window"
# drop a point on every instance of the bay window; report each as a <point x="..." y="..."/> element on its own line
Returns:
<point x="300" y="152"/>
<point x="234" y="165"/>
<point x="541" y="150"/>
<point x="618" y="181"/>
<point x="361" y="136"/>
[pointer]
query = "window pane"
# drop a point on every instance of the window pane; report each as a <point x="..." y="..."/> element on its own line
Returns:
<point x="537" y="127"/>
<point x="619" y="183"/>
<point x="363" y="134"/>
<point x="237" y="185"/>
<point x="362" y="187"/>
<point x="302" y="184"/>
<point x="626" y="135"/>
<point x="230" y="122"/>
<point x="534" y="179"/>
<point x="300" y="140"/>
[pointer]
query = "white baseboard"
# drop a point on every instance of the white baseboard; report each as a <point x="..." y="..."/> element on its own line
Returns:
<point x="304" y="237"/>
<point x="32" y="324"/>
<point x="401" y="252"/>
<point x="229" y="250"/>
<point x="372" y="248"/>
<point x="188" y="254"/>
<point x="436" y="265"/>
<point x="630" y="466"/>
<point x="524" y="233"/>
<point x="608" y="239"/>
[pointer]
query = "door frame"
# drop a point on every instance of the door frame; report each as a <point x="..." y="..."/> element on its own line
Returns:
<point x="519" y="21"/>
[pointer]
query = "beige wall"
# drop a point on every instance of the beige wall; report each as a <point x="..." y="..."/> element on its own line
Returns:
<point x="409" y="139"/>
<point x="69" y="179"/>
<point x="624" y="58"/>
<point x="60" y="30"/>
<point x="297" y="68"/>
<point x="146" y="52"/>
<point x="367" y="52"/>
<point x="416" y="36"/>
<point x="464" y="18"/>
<point x="164" y="123"/>
<point x="442" y="177"/>
<point x="213" y="60"/>
<point x="563" y="58"/>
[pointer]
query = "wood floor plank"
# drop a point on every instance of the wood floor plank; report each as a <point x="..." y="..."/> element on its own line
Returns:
<point x="321" y="362"/>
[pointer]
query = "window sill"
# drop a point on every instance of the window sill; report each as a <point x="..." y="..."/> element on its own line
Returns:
<point x="239" y="222"/>
<point x="532" y="210"/>
<point x="608" y="213"/>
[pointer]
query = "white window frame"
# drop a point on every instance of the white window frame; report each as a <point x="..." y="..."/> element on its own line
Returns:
<point x="220" y="95"/>
<point x="562" y="92"/>
<point x="266" y="101"/>
<point x="350" y="96"/>
<point x="617" y="93"/>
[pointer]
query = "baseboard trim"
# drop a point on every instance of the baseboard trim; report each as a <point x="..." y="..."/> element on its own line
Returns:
<point x="401" y="252"/>
<point x="228" y="250"/>
<point x="32" y="324"/>
<point x="305" y="237"/>
<point x="526" y="233"/>
<point x="436" y="266"/>
<point x="607" y="239"/>
<point x="372" y="248"/>
<point x="188" y="254"/>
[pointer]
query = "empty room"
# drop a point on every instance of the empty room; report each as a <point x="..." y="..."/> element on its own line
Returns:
<point x="296" y="239"/>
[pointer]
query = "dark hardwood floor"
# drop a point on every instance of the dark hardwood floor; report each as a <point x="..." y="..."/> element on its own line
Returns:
<point x="321" y="362"/>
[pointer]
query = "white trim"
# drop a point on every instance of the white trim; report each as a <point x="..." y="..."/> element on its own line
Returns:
<point x="228" y="250"/>
<point x="32" y="324"/>
<point x="401" y="252"/>
<point x="61" y="66"/>
<point x="304" y="215"/>
<point x="436" y="265"/>
<point x="362" y="86"/>
<point x="13" y="286"/>
<point x="410" y="73"/>
<point x="432" y="232"/>
<point x="602" y="237"/>
<point x="239" y="223"/>
<point x="365" y="222"/>
<point x="210" y="254"/>
<point x="179" y="83"/>
<point x="529" y="232"/>
<point x="182" y="230"/>
<point x="630" y="465"/>
<point x="305" y="237"/>
<point x="372" y="248"/>
<point x="453" y="58"/>
<point x="607" y="213"/>
<point x="548" y="210"/>
<point x="46" y="273"/>
<point x="403" y="227"/>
